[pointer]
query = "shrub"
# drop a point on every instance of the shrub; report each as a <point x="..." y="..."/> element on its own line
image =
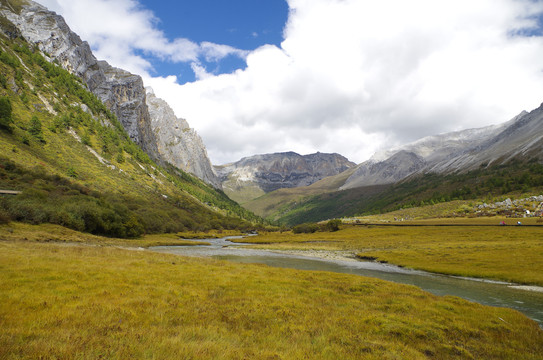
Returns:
<point x="307" y="228"/>
<point x="35" y="129"/>
<point x="333" y="225"/>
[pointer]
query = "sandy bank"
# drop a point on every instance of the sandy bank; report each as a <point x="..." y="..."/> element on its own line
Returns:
<point x="341" y="255"/>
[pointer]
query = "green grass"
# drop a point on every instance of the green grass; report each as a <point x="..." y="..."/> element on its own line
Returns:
<point x="54" y="233"/>
<point x="517" y="178"/>
<point x="65" y="301"/>
<point x="509" y="253"/>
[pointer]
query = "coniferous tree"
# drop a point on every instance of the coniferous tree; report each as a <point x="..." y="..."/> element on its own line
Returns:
<point x="5" y="113"/>
<point x="35" y="129"/>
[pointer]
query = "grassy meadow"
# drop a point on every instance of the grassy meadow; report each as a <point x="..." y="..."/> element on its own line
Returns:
<point x="509" y="253"/>
<point x="72" y="301"/>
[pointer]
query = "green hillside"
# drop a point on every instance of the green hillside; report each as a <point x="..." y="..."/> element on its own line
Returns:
<point x="77" y="167"/>
<point x="516" y="178"/>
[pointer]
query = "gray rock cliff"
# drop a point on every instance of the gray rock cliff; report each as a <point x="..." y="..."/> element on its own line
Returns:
<point x="270" y="172"/>
<point x="177" y="143"/>
<point x="123" y="93"/>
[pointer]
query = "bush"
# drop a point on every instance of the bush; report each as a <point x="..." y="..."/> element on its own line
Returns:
<point x="308" y="228"/>
<point x="333" y="225"/>
<point x="35" y="129"/>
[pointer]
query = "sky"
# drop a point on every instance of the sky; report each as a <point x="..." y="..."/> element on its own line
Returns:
<point x="339" y="76"/>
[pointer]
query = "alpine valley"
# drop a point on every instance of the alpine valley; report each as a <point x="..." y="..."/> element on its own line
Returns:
<point x="120" y="240"/>
<point x="470" y="164"/>
<point x="285" y="187"/>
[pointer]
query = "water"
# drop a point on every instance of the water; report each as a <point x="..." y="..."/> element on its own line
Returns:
<point x="493" y="293"/>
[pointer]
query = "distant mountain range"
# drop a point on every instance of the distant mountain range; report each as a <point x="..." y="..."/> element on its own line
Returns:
<point x="254" y="176"/>
<point x="455" y="152"/>
<point x="512" y="146"/>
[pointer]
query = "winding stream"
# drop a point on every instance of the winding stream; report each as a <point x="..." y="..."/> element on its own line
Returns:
<point x="485" y="292"/>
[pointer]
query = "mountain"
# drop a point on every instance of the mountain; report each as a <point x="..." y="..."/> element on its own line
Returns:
<point x="177" y="143"/>
<point x="452" y="152"/>
<point x="390" y="166"/>
<point x="466" y="164"/>
<point x="76" y="165"/>
<point x="254" y="176"/>
<point x="122" y="92"/>
<point x="522" y="138"/>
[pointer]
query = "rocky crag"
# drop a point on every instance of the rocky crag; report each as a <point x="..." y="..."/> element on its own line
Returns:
<point x="122" y="92"/>
<point x="254" y="176"/>
<point x="177" y="143"/>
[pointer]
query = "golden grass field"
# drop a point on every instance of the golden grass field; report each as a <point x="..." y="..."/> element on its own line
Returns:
<point x="509" y="253"/>
<point x="76" y="300"/>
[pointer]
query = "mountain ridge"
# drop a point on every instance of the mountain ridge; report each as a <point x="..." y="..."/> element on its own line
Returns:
<point x="257" y="175"/>
<point x="122" y="92"/>
<point x="74" y="164"/>
<point x="444" y="153"/>
<point x="499" y="158"/>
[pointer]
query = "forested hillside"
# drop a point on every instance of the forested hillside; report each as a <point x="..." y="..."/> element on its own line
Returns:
<point x="516" y="178"/>
<point x="75" y="165"/>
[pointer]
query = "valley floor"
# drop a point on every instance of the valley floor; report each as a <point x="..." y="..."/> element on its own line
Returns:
<point x="102" y="301"/>
<point x="468" y="247"/>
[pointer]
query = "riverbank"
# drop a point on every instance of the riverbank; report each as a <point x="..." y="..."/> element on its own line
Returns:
<point x="88" y="302"/>
<point x="504" y="253"/>
<point x="349" y="256"/>
<point x="333" y="255"/>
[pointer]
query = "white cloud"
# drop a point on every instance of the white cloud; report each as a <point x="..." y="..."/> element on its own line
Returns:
<point x="351" y="76"/>
<point x="354" y="76"/>
<point x="118" y="30"/>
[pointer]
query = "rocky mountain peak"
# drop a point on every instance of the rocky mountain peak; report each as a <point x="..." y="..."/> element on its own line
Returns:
<point x="121" y="91"/>
<point x="177" y="143"/>
<point x="268" y="172"/>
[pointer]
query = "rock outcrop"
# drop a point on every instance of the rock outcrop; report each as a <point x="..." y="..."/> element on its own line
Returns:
<point x="122" y="92"/>
<point x="177" y="143"/>
<point x="269" y="172"/>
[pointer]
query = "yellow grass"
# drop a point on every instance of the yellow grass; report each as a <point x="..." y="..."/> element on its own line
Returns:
<point x="509" y="253"/>
<point x="56" y="233"/>
<point x="66" y="301"/>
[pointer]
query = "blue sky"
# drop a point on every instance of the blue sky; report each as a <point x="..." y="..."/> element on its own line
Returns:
<point x="243" y="24"/>
<point x="346" y="76"/>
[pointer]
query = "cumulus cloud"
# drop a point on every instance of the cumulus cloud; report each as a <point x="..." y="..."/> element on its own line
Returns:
<point x="126" y="32"/>
<point x="355" y="76"/>
<point x="351" y="76"/>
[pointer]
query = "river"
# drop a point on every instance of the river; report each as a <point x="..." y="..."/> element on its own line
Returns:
<point x="486" y="292"/>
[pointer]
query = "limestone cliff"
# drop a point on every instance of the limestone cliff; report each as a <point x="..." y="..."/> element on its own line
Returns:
<point x="123" y="93"/>
<point x="254" y="176"/>
<point x="177" y="143"/>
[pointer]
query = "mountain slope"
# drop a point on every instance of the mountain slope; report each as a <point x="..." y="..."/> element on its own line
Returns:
<point x="467" y="164"/>
<point x="123" y="93"/>
<point x="451" y="152"/>
<point x="177" y="143"/>
<point x="522" y="138"/>
<point x="76" y="165"/>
